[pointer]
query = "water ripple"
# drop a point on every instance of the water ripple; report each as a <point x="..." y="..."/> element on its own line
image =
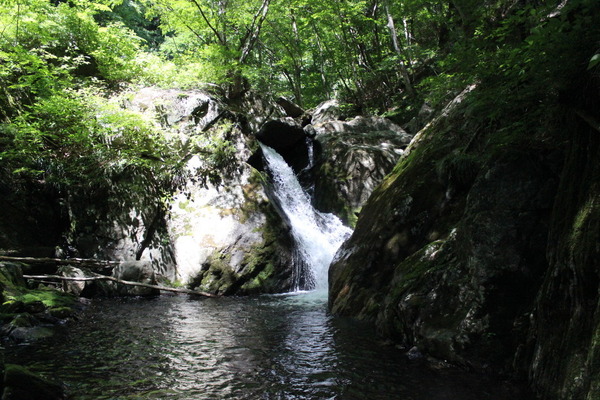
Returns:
<point x="267" y="347"/>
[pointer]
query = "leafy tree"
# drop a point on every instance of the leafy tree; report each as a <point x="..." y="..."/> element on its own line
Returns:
<point x="221" y="33"/>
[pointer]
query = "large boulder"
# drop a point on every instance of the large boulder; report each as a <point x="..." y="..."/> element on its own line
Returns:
<point x="189" y="111"/>
<point x="329" y="110"/>
<point x="353" y="157"/>
<point x="229" y="240"/>
<point x="563" y="358"/>
<point x="449" y="250"/>
<point x="135" y="271"/>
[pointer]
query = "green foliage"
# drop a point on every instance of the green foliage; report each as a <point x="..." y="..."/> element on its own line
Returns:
<point x="58" y="58"/>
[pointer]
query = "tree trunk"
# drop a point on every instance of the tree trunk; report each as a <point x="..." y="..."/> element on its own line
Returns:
<point x="398" y="50"/>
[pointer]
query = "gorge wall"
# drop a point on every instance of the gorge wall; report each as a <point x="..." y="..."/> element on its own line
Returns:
<point x="481" y="249"/>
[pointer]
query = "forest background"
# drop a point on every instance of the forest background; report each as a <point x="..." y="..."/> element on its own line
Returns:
<point x="65" y="67"/>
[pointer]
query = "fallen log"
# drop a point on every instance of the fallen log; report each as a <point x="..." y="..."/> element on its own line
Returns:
<point x="90" y="263"/>
<point x="128" y="283"/>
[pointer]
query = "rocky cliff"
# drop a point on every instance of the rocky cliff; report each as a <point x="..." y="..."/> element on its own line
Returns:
<point x="481" y="248"/>
<point x="219" y="231"/>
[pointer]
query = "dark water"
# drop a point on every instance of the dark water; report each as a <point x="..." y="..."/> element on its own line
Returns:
<point x="267" y="347"/>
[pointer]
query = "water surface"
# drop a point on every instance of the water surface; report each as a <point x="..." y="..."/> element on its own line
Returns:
<point x="266" y="347"/>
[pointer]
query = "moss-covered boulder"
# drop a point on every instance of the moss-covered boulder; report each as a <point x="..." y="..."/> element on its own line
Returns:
<point x="29" y="314"/>
<point x="449" y="250"/>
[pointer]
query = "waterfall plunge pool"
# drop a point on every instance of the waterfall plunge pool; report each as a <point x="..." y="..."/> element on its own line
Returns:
<point x="264" y="347"/>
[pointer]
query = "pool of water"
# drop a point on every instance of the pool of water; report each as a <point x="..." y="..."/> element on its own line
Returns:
<point x="265" y="347"/>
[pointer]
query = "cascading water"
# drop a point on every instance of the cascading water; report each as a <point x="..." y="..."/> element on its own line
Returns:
<point x="317" y="235"/>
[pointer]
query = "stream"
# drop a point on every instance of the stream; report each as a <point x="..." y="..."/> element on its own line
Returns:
<point x="264" y="347"/>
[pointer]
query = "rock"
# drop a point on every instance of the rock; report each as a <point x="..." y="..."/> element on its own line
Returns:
<point x="288" y="138"/>
<point x="25" y="328"/>
<point x="227" y="237"/>
<point x="353" y="157"/>
<point x="87" y="289"/>
<point x="423" y="116"/>
<point x="327" y="111"/>
<point x="74" y="287"/>
<point x="291" y="109"/>
<point x="189" y="111"/>
<point x="414" y="353"/>
<point x="11" y="275"/>
<point x="561" y="353"/>
<point x="30" y="334"/>
<point x="229" y="240"/>
<point x="35" y="307"/>
<point x="448" y="252"/>
<point x="21" y="384"/>
<point x="254" y="111"/>
<point x="12" y="307"/>
<point x="362" y="125"/>
<point x="135" y="271"/>
<point x="281" y="134"/>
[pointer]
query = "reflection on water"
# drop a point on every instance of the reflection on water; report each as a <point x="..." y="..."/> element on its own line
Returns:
<point x="266" y="347"/>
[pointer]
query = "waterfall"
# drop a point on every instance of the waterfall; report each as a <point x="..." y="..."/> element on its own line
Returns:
<point x="317" y="235"/>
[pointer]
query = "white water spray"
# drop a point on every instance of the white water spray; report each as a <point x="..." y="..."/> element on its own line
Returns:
<point x="317" y="235"/>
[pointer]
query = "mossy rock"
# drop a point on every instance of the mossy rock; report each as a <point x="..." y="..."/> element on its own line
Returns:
<point x="22" y="384"/>
<point x="11" y="278"/>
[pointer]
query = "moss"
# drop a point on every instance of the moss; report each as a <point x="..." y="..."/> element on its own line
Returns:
<point x="261" y="282"/>
<point x="458" y="169"/>
<point x="49" y="297"/>
<point x="11" y="279"/>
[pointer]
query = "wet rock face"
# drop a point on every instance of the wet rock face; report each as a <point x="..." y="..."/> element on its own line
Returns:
<point x="449" y="251"/>
<point x="214" y="236"/>
<point x="287" y="137"/>
<point x="227" y="240"/>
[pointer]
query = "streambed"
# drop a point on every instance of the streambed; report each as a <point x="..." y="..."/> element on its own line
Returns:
<point x="265" y="347"/>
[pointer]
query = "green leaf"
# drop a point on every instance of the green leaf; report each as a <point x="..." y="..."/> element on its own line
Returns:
<point x="594" y="61"/>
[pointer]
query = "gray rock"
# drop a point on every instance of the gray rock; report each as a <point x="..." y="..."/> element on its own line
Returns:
<point x="448" y="251"/>
<point x="291" y="109"/>
<point x="354" y="157"/>
<point x="135" y="271"/>
<point x="327" y="111"/>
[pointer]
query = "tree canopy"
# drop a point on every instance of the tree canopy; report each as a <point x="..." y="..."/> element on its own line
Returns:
<point x="59" y="60"/>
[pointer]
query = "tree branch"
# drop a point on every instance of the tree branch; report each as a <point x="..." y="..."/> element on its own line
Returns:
<point x="85" y="262"/>
<point x="255" y="27"/>
<point x="122" y="282"/>
<point x="212" y="28"/>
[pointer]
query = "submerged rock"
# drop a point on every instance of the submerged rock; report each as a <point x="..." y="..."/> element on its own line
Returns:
<point x="22" y="384"/>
